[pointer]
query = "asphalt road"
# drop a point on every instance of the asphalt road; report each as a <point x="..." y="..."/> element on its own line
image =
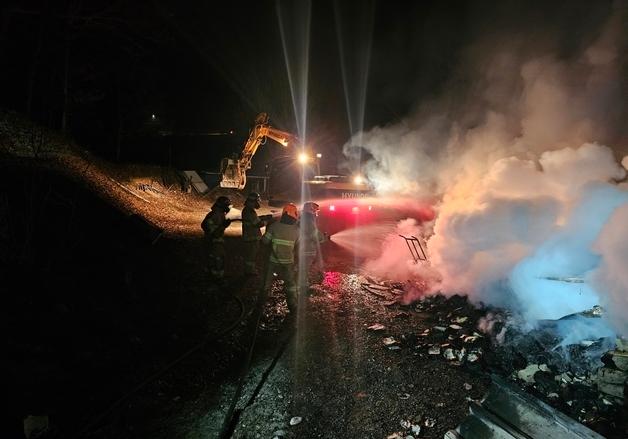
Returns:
<point x="338" y="376"/>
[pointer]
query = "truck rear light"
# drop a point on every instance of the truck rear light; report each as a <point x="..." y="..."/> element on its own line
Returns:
<point x="332" y="208"/>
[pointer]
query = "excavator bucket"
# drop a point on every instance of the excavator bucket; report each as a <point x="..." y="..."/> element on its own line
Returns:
<point x="232" y="176"/>
<point x="233" y="184"/>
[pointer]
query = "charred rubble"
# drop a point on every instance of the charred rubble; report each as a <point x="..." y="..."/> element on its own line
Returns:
<point x="584" y="379"/>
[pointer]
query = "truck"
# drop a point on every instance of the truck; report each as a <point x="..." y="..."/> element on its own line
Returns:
<point x="342" y="187"/>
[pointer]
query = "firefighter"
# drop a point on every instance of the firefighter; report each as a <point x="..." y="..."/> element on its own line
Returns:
<point x="283" y="236"/>
<point x="251" y="233"/>
<point x="311" y="239"/>
<point x="214" y="226"/>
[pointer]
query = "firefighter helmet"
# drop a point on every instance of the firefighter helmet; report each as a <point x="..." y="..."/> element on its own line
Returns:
<point x="254" y="196"/>
<point x="291" y="210"/>
<point x="253" y="200"/>
<point x="311" y="207"/>
<point x="223" y="203"/>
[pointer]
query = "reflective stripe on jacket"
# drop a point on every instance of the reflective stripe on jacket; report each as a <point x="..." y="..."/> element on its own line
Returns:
<point x="282" y="238"/>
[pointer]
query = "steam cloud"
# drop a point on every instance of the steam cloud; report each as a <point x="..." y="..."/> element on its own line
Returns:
<point x="531" y="215"/>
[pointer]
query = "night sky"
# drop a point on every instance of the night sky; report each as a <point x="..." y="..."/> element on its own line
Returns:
<point x="210" y="67"/>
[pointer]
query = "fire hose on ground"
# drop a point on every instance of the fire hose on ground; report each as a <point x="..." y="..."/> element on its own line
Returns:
<point x="231" y="419"/>
<point x="166" y="368"/>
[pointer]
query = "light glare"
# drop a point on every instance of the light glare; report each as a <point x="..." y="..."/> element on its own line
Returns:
<point x="303" y="158"/>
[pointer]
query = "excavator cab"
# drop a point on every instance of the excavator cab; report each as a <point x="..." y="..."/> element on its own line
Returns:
<point x="233" y="169"/>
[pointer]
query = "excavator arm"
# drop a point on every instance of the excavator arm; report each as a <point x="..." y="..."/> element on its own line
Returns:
<point x="234" y="170"/>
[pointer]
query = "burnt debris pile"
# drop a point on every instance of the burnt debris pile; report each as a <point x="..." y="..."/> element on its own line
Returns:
<point x="585" y="379"/>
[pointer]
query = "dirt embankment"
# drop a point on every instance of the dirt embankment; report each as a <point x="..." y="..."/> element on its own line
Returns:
<point x="153" y="193"/>
<point x="105" y="281"/>
<point x="94" y="305"/>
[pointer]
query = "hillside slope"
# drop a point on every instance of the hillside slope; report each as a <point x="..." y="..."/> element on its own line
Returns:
<point x="151" y="192"/>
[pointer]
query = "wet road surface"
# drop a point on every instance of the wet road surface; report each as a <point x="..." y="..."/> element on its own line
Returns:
<point x="337" y="375"/>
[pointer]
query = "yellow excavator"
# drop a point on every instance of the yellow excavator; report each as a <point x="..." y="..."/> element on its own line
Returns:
<point x="233" y="170"/>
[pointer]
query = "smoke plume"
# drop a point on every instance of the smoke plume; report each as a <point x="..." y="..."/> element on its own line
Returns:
<point x="531" y="214"/>
<point x="392" y="261"/>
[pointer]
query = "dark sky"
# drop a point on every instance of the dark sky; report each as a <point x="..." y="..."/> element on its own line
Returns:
<point x="204" y="66"/>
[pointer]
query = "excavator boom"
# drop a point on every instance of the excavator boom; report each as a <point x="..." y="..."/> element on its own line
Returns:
<point x="233" y="170"/>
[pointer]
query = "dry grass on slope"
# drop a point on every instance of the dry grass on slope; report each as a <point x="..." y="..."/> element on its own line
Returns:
<point x="135" y="189"/>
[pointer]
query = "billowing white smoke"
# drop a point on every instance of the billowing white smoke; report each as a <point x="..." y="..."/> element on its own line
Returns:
<point x="525" y="221"/>
<point x="531" y="215"/>
<point x="611" y="276"/>
<point x="393" y="261"/>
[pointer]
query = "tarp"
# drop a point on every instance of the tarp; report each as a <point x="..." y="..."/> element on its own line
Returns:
<point x="195" y="180"/>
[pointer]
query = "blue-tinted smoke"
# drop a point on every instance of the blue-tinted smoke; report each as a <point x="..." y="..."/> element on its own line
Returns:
<point x="554" y="280"/>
